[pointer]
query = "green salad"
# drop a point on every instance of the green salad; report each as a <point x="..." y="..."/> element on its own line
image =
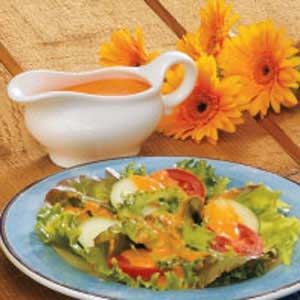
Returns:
<point x="176" y="228"/>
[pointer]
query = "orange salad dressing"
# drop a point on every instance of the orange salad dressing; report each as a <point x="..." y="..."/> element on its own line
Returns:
<point x="111" y="86"/>
<point x="222" y="219"/>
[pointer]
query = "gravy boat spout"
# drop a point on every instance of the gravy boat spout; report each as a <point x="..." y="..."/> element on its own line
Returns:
<point x="78" y="127"/>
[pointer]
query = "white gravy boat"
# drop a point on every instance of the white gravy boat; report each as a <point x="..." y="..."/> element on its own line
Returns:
<point x="77" y="127"/>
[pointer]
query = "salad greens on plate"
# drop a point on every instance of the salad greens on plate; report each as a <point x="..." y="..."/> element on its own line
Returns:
<point x="176" y="228"/>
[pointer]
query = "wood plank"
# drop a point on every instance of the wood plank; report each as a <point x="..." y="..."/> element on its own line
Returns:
<point x="8" y="61"/>
<point x="289" y="121"/>
<point x="295" y="177"/>
<point x="15" y="285"/>
<point x="281" y="136"/>
<point x="168" y="18"/>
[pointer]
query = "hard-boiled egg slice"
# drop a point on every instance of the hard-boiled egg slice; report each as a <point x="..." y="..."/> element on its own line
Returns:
<point x="146" y="183"/>
<point x="130" y="185"/>
<point x="163" y="177"/>
<point x="223" y="216"/>
<point x="120" y="190"/>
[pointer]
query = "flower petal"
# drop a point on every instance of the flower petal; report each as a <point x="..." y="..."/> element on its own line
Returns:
<point x="125" y="49"/>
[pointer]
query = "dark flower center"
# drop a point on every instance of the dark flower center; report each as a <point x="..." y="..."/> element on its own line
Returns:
<point x="266" y="70"/>
<point x="201" y="107"/>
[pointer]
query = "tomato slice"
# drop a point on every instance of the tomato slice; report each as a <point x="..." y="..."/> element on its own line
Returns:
<point x="221" y="244"/>
<point x="134" y="271"/>
<point x="187" y="181"/>
<point x="249" y="242"/>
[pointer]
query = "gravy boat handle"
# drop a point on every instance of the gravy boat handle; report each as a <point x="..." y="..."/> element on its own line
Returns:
<point x="156" y="70"/>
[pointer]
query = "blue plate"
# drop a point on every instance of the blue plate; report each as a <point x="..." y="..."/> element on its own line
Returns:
<point x="41" y="263"/>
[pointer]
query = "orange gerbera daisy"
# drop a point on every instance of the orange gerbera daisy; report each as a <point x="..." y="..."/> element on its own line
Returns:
<point x="210" y="107"/>
<point x="190" y="44"/>
<point x="125" y="49"/>
<point x="216" y="23"/>
<point x="262" y="57"/>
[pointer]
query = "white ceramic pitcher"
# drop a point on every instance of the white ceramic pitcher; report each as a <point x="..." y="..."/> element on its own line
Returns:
<point x="77" y="127"/>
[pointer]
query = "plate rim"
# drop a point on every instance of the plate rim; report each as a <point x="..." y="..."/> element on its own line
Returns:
<point x="80" y="294"/>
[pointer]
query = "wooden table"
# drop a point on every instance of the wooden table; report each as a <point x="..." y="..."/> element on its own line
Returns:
<point x="65" y="35"/>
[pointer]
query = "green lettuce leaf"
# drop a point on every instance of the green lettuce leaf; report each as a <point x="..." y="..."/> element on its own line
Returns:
<point x="214" y="184"/>
<point x="201" y="273"/>
<point x="251" y="269"/>
<point x="197" y="237"/>
<point x="135" y="229"/>
<point x="167" y="199"/>
<point x="260" y="199"/>
<point x="121" y="241"/>
<point x="79" y="189"/>
<point x="133" y="169"/>
<point x="57" y="227"/>
<point x="196" y="274"/>
<point x="140" y="232"/>
<point x="54" y="225"/>
<point x="118" y="275"/>
<point x="278" y="231"/>
<point x="97" y="257"/>
<point x="173" y="282"/>
<point x="281" y="233"/>
<point x="190" y="270"/>
<point x="213" y="268"/>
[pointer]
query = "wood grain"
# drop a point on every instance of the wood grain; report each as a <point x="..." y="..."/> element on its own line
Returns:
<point x="284" y="13"/>
<point x="15" y="285"/>
<point x="168" y="18"/>
<point x="65" y="35"/>
<point x="295" y="177"/>
<point x="281" y="136"/>
<point x="8" y="61"/>
<point x="289" y="121"/>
